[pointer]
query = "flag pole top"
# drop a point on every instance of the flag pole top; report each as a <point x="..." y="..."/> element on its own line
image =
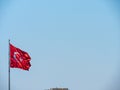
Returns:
<point x="9" y="40"/>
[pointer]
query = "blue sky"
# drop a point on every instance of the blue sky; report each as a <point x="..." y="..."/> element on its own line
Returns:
<point x="72" y="43"/>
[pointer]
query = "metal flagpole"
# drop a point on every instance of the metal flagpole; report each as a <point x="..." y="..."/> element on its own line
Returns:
<point x="9" y="66"/>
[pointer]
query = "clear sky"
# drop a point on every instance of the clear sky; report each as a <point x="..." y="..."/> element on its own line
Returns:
<point x="72" y="43"/>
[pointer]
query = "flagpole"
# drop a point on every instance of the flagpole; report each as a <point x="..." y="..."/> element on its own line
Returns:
<point x="9" y="66"/>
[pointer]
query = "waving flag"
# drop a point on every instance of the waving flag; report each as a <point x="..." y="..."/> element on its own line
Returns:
<point x="19" y="58"/>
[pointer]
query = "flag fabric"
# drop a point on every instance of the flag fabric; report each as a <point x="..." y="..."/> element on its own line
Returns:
<point x="19" y="58"/>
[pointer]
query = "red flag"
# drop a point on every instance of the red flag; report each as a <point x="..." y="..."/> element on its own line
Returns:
<point x="19" y="58"/>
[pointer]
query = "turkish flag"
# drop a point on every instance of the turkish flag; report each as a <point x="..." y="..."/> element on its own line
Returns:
<point x="19" y="58"/>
